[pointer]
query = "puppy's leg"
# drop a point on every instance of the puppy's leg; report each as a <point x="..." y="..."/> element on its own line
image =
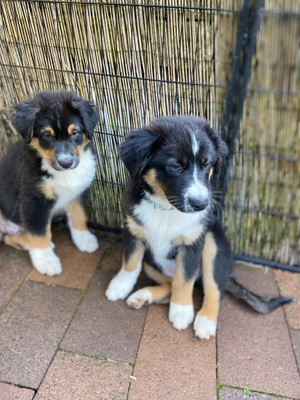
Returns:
<point x="40" y="250"/>
<point x="205" y="324"/>
<point x="83" y="239"/>
<point x="181" y="312"/>
<point x="152" y="294"/>
<point x="122" y="284"/>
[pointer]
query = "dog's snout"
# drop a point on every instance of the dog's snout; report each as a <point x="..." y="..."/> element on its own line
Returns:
<point x="198" y="204"/>
<point x="65" y="161"/>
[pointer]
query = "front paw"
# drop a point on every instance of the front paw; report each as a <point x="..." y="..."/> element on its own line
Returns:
<point x="181" y="316"/>
<point x="45" y="261"/>
<point x="139" y="298"/>
<point x="84" y="240"/>
<point x="204" y="327"/>
<point x="121" y="285"/>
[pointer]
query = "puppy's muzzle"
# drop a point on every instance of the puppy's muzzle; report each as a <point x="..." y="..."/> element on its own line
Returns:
<point x="65" y="161"/>
<point x="197" y="204"/>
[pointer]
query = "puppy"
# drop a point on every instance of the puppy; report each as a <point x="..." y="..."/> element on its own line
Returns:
<point x="170" y="227"/>
<point x="48" y="173"/>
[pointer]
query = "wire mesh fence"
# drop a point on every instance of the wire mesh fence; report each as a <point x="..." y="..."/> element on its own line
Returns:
<point x="140" y="60"/>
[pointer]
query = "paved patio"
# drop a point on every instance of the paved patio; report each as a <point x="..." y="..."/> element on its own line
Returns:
<point x="61" y="339"/>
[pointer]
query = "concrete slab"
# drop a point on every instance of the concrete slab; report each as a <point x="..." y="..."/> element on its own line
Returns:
<point x="31" y="328"/>
<point x="172" y="364"/>
<point x="14" y="268"/>
<point x="255" y="350"/>
<point x="103" y="328"/>
<point x="11" y="392"/>
<point x="226" y="393"/>
<point x="289" y="285"/>
<point x="78" y="267"/>
<point x="72" y="377"/>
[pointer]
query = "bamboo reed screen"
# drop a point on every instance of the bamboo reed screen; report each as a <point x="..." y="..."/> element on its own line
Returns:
<point x="142" y="59"/>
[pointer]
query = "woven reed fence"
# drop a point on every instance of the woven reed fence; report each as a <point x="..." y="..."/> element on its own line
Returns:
<point x="140" y="60"/>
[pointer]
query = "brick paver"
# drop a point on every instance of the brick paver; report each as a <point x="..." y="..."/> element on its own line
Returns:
<point x="76" y="377"/>
<point x="226" y="393"/>
<point x="31" y="328"/>
<point x="78" y="267"/>
<point x="103" y="328"/>
<point x="172" y="364"/>
<point x="289" y="285"/>
<point x="151" y="360"/>
<point x="14" y="267"/>
<point x="255" y="350"/>
<point x="11" y="392"/>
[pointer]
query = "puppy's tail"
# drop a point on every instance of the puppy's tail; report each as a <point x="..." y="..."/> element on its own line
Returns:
<point x="255" y="302"/>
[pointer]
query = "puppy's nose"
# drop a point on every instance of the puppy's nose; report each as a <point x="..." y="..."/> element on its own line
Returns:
<point x="198" y="204"/>
<point x="65" y="161"/>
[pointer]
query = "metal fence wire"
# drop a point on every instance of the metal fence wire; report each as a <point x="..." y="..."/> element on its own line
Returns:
<point x="234" y="62"/>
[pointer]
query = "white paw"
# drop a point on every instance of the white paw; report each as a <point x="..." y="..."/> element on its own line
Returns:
<point x="139" y="298"/>
<point x="204" y="327"/>
<point x="84" y="240"/>
<point x="45" y="261"/>
<point x="181" y="316"/>
<point x="122" y="284"/>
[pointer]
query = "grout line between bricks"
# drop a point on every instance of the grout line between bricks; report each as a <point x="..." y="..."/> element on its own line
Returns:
<point x="15" y="292"/>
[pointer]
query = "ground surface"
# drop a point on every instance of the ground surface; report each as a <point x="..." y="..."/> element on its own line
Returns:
<point x="61" y="339"/>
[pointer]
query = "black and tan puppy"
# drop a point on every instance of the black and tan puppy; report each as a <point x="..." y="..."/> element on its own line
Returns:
<point x="48" y="173"/>
<point x="170" y="227"/>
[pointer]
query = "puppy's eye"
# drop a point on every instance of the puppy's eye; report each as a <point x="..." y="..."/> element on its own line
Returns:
<point x="74" y="134"/>
<point x="47" y="136"/>
<point x="175" y="167"/>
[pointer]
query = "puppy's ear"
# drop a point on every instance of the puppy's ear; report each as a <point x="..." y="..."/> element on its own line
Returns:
<point x="136" y="150"/>
<point x="88" y="113"/>
<point x="24" y="118"/>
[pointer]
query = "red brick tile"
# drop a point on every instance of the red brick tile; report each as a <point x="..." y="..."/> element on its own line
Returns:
<point x="78" y="267"/>
<point x="112" y="260"/>
<point x="10" y="392"/>
<point x="14" y="267"/>
<point x="289" y="285"/>
<point x="31" y="328"/>
<point x="295" y="335"/>
<point x="72" y="377"/>
<point x="255" y="350"/>
<point x="103" y="328"/>
<point x="226" y="393"/>
<point x="172" y="364"/>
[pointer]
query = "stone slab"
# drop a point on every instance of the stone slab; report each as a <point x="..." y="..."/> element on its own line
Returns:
<point x="255" y="350"/>
<point x="103" y="328"/>
<point x="172" y="364"/>
<point x="31" y="328"/>
<point x="78" y="267"/>
<point x="72" y="377"/>
<point x="11" y="392"/>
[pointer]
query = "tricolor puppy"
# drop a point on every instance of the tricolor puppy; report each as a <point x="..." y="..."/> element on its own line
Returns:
<point x="170" y="227"/>
<point x="47" y="173"/>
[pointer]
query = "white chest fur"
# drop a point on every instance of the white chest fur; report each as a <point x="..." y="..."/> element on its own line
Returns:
<point x="162" y="227"/>
<point x="69" y="184"/>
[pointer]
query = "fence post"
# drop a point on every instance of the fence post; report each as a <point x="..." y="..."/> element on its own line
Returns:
<point x="241" y="69"/>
